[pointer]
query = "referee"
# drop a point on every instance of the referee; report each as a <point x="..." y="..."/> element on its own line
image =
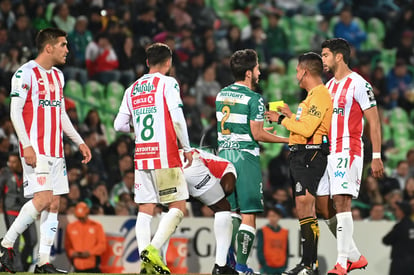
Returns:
<point x="309" y="147"/>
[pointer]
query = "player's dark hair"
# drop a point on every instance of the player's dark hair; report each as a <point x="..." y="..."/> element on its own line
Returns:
<point x="241" y="62"/>
<point x="158" y="53"/>
<point x="338" y="45"/>
<point x="312" y="62"/>
<point x="48" y="36"/>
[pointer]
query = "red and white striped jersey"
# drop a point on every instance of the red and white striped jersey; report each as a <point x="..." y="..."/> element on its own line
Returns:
<point x="42" y="91"/>
<point x="351" y="96"/>
<point x="149" y="102"/>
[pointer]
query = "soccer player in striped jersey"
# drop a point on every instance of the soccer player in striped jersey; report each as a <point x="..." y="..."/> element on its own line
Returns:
<point x="353" y="99"/>
<point x="153" y="104"/>
<point x="240" y="119"/>
<point x="38" y="114"/>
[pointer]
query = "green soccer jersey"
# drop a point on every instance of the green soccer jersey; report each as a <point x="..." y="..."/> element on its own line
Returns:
<point x="236" y="106"/>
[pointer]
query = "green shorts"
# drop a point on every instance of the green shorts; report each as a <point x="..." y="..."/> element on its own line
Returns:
<point x="248" y="194"/>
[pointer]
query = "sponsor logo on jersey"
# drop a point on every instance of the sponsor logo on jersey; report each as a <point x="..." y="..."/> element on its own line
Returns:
<point x="143" y="100"/>
<point x="313" y="110"/>
<point x="143" y="87"/>
<point x="339" y="111"/>
<point x="203" y="182"/>
<point x="339" y="174"/>
<point x="49" y="103"/>
<point x="25" y="86"/>
<point x="147" y="150"/>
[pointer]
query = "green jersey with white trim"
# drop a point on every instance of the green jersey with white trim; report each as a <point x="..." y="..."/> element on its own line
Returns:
<point x="236" y="106"/>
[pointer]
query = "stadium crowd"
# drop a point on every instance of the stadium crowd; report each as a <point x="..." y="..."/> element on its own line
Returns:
<point x="107" y="42"/>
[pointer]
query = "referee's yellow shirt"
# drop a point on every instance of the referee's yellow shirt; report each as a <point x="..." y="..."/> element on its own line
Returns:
<point x="312" y="119"/>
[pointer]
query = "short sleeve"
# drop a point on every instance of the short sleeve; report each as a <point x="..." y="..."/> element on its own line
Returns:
<point x="364" y="94"/>
<point x="257" y="108"/>
<point x="172" y="94"/>
<point x="21" y="83"/>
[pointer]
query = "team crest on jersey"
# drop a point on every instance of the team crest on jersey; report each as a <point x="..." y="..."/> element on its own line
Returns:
<point x="52" y="87"/>
<point x="25" y="86"/>
<point x="41" y="180"/>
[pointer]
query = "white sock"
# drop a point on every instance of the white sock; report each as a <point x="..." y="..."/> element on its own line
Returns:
<point x="344" y="232"/>
<point x="164" y="247"/>
<point x="167" y="226"/>
<point x="143" y="230"/>
<point x="28" y="214"/>
<point x="223" y="228"/>
<point x="48" y="229"/>
<point x="354" y="253"/>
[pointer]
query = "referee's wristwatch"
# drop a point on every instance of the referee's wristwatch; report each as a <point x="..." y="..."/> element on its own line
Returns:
<point x="281" y="117"/>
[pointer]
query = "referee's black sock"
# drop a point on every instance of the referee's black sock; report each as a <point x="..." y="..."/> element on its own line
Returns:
<point x="309" y="234"/>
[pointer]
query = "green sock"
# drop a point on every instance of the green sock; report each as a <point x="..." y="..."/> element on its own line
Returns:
<point x="245" y="239"/>
<point x="236" y="224"/>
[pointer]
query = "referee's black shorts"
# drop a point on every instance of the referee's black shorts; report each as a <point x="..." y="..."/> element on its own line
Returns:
<point x="306" y="169"/>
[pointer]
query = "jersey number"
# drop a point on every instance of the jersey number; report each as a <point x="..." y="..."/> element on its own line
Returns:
<point x="343" y="163"/>
<point x="147" y="131"/>
<point x="226" y="112"/>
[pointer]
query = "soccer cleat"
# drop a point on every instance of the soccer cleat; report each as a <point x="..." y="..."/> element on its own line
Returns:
<point x="244" y="269"/>
<point x="146" y="268"/>
<point x="151" y="256"/>
<point x="299" y="269"/>
<point x="231" y="260"/>
<point x="48" y="268"/>
<point x="223" y="270"/>
<point x="360" y="264"/>
<point x="6" y="258"/>
<point x="337" y="270"/>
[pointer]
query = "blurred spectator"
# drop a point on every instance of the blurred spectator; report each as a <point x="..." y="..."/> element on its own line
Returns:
<point x="6" y="13"/>
<point x="410" y="160"/>
<point x="10" y="62"/>
<point x="258" y="42"/>
<point x="399" y="83"/>
<point x="224" y="75"/>
<point x="348" y="29"/>
<point x="78" y="40"/>
<point x="408" y="192"/>
<point x="21" y="36"/>
<point x="4" y="151"/>
<point x="405" y="49"/>
<point x="234" y="40"/>
<point x="12" y="196"/>
<point x="95" y="18"/>
<point x="206" y="89"/>
<point x="179" y="14"/>
<point x="278" y="170"/>
<point x="125" y="162"/>
<point x="401" y="173"/>
<point x="145" y="24"/>
<point x="376" y="212"/>
<point x="96" y="163"/>
<point x="322" y="33"/>
<point x="93" y="123"/>
<point x="402" y="242"/>
<point x="121" y="146"/>
<point x="100" y="197"/>
<point x="7" y="131"/>
<point x="356" y="213"/>
<point x="62" y="18"/>
<point x="277" y="39"/>
<point x="202" y="15"/>
<point x="282" y="199"/>
<point x="379" y="86"/>
<point x="39" y="21"/>
<point x="74" y="195"/>
<point x="4" y="41"/>
<point x="391" y="198"/>
<point x="193" y="117"/>
<point x="4" y="107"/>
<point x="125" y="186"/>
<point x="121" y="209"/>
<point x="210" y="50"/>
<point x="101" y="60"/>
<point x="128" y="199"/>
<point x="194" y="67"/>
<point x="364" y="68"/>
<point x="127" y="57"/>
<point x="273" y="244"/>
<point x="85" y="241"/>
<point x="404" y="22"/>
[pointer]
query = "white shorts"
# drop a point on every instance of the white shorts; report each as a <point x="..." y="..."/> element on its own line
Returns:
<point x="50" y="174"/>
<point x="342" y="177"/>
<point x="160" y="185"/>
<point x="203" y="185"/>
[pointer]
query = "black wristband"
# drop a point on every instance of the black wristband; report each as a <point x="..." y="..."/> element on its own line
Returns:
<point x="281" y="117"/>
